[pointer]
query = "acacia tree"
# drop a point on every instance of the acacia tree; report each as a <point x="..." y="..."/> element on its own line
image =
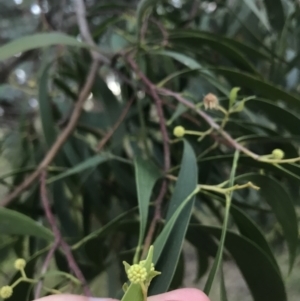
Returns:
<point x="158" y="122"/>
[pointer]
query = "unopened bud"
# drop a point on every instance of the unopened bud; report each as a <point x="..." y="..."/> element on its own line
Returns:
<point x="6" y="292"/>
<point x="179" y="131"/>
<point x="278" y="154"/>
<point x="20" y="264"/>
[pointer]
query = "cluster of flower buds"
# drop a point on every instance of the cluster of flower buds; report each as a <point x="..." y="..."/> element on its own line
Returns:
<point x="7" y="290"/>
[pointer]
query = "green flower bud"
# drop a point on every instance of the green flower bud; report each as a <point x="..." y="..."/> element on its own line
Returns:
<point x="6" y="292"/>
<point x="142" y="263"/>
<point x="137" y="273"/>
<point x="20" y="264"/>
<point x="278" y="154"/>
<point x="179" y="131"/>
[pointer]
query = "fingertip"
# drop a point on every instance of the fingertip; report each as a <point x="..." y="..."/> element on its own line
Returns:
<point x="69" y="297"/>
<point x="183" y="294"/>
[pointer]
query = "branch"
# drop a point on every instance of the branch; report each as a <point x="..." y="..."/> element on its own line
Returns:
<point x="45" y="267"/>
<point x="210" y="121"/>
<point x="85" y="31"/>
<point x="159" y="107"/>
<point x="66" y="248"/>
<point x="60" y="139"/>
<point x="158" y="102"/>
<point x="115" y="126"/>
<point x="156" y="218"/>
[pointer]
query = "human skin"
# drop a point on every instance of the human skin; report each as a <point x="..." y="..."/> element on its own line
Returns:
<point x="185" y="294"/>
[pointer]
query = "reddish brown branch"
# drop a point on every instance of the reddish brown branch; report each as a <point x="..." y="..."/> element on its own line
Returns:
<point x="45" y="266"/>
<point x="159" y="107"/>
<point x="115" y="126"/>
<point x="66" y="248"/>
<point x="210" y="121"/>
<point x="156" y="218"/>
<point x="61" y="139"/>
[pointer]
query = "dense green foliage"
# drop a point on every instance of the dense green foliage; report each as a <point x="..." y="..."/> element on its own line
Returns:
<point x="105" y="190"/>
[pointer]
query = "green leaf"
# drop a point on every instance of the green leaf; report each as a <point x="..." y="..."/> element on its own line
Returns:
<point x="288" y="119"/>
<point x="249" y="229"/>
<point x="143" y="7"/>
<point x="275" y="13"/>
<point x="37" y="41"/>
<point x="233" y="96"/>
<point x="219" y="256"/>
<point x="195" y="41"/>
<point x="258" y="271"/>
<point x="223" y="292"/>
<point x="259" y="12"/>
<point x="105" y="229"/>
<point x="146" y="175"/>
<point x="46" y="113"/>
<point x="133" y="292"/>
<point x="212" y="39"/>
<point x="264" y="88"/>
<point x="15" y="223"/>
<point x="168" y="245"/>
<point x="282" y="205"/>
<point x="89" y="163"/>
<point x="182" y="58"/>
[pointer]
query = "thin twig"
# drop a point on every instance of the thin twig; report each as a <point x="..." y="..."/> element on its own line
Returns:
<point x="159" y="107"/>
<point x="158" y="102"/>
<point x="85" y="31"/>
<point x="193" y="13"/>
<point x="156" y="218"/>
<point x="61" y="138"/>
<point x="66" y="248"/>
<point x="210" y="121"/>
<point x="115" y="126"/>
<point x="45" y="266"/>
<point x="163" y="31"/>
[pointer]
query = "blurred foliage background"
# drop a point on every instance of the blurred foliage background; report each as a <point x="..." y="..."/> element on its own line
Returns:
<point x="95" y="183"/>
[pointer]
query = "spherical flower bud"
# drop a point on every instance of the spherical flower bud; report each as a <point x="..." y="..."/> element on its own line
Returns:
<point x="210" y="101"/>
<point x="179" y="131"/>
<point x="142" y="263"/>
<point x="20" y="264"/>
<point x="278" y="154"/>
<point x="137" y="273"/>
<point x="6" y="292"/>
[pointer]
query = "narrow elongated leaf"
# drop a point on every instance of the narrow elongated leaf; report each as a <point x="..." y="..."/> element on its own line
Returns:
<point x="105" y="229"/>
<point x="259" y="12"/>
<point x="209" y="36"/>
<point x="142" y="8"/>
<point x="249" y="229"/>
<point x="170" y="241"/>
<point x="259" y="273"/>
<point x="262" y="87"/>
<point x="291" y="171"/>
<point x="37" y="41"/>
<point x="89" y="163"/>
<point x="223" y="292"/>
<point x="182" y="58"/>
<point x="275" y="13"/>
<point x="288" y="119"/>
<point x="282" y="206"/>
<point x="15" y="223"/>
<point x="195" y="42"/>
<point x="46" y="113"/>
<point x="146" y="175"/>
